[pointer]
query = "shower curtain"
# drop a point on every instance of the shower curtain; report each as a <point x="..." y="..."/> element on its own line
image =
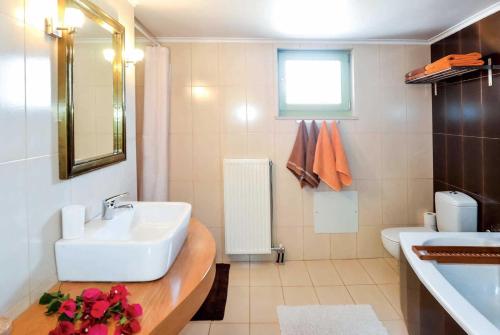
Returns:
<point x="153" y="153"/>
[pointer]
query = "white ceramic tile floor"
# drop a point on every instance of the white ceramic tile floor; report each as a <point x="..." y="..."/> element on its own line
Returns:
<point x="256" y="289"/>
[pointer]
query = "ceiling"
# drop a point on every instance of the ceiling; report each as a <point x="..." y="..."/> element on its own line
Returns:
<point x="306" y="19"/>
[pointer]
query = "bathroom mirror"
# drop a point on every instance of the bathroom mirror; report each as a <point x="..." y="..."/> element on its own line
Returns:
<point x="91" y="91"/>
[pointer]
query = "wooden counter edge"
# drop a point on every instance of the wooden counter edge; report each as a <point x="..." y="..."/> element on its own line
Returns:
<point x="172" y="323"/>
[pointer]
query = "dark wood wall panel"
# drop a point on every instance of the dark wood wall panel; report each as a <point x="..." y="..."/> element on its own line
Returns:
<point x="466" y="123"/>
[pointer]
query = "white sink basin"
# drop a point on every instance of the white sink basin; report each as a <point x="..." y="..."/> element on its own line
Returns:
<point x="138" y="244"/>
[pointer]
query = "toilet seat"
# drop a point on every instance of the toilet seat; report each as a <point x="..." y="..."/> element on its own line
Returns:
<point x="390" y="237"/>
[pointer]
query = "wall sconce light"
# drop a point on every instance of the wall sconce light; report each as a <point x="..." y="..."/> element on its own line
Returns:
<point x="133" y="56"/>
<point x="73" y="18"/>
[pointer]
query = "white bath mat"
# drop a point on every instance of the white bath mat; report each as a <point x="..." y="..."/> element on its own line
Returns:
<point x="329" y="320"/>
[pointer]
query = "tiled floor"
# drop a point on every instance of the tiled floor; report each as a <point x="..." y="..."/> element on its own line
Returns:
<point x="255" y="289"/>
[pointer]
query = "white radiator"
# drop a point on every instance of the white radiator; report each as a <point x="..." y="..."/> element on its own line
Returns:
<point x="247" y="206"/>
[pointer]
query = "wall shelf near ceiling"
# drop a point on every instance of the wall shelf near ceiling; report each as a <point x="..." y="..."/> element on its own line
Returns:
<point x="454" y="71"/>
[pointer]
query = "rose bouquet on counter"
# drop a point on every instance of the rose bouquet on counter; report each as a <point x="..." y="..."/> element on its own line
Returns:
<point x="90" y="312"/>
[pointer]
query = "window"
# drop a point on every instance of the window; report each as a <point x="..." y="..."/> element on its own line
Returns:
<point x="314" y="83"/>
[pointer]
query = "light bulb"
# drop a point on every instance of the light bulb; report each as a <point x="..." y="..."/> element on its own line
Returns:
<point x="73" y="18"/>
<point x="109" y="55"/>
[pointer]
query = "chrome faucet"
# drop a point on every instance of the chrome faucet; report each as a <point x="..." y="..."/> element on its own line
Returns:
<point x="109" y="206"/>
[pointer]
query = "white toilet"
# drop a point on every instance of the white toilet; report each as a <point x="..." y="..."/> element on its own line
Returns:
<point x="455" y="211"/>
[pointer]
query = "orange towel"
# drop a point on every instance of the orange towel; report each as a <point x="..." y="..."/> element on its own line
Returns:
<point x="342" y="164"/>
<point x="311" y="178"/>
<point x="471" y="59"/>
<point x="297" y="161"/>
<point x="324" y="161"/>
<point x="416" y="72"/>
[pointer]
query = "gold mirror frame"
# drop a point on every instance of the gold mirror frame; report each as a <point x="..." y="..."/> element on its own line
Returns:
<point x="68" y="166"/>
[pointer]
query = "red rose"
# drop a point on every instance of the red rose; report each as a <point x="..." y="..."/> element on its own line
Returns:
<point x="99" y="308"/>
<point x="129" y="328"/>
<point x="92" y="295"/>
<point x="133" y="311"/>
<point x="63" y="328"/>
<point x="68" y="307"/>
<point x="118" y="293"/>
<point x="98" y="329"/>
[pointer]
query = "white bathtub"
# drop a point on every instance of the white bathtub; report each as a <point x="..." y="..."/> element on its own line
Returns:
<point x="470" y="293"/>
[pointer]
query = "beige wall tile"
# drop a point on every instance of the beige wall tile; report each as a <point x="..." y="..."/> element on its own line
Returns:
<point x="12" y="88"/>
<point x="181" y="157"/>
<point x="259" y="63"/>
<point x="181" y="115"/>
<point x="234" y="145"/>
<point x="206" y="111"/>
<point x="394" y="156"/>
<point x="233" y="109"/>
<point x="204" y="64"/>
<point x="392" y="62"/>
<point x="369" y="242"/>
<point x="218" y="235"/>
<point x="13" y="8"/>
<point x="343" y="246"/>
<point x="364" y="155"/>
<point x="418" y="108"/>
<point x="207" y="169"/>
<point x="232" y="63"/>
<point x="292" y="239"/>
<point x="260" y="111"/>
<point x="260" y="145"/>
<point x="394" y="202"/>
<point x="316" y="246"/>
<point x="230" y="109"/>
<point x="420" y="200"/>
<point x="181" y="191"/>
<point x="206" y="145"/>
<point x="392" y="103"/>
<point x="417" y="56"/>
<point x="208" y="203"/>
<point x="29" y="162"/>
<point x="288" y="201"/>
<point x="370" y="202"/>
<point x="180" y="59"/>
<point x="420" y="156"/>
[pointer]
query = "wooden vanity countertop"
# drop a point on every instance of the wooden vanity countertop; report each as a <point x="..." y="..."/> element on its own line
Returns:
<point x="168" y="303"/>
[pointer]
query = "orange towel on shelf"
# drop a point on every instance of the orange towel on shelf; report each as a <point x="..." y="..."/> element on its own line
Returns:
<point x="324" y="161"/>
<point x="341" y="162"/>
<point x="297" y="160"/>
<point x="311" y="178"/>
<point x="414" y="73"/>
<point x="470" y="59"/>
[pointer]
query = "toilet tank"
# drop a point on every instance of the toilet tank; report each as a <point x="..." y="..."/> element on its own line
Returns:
<point x="455" y="211"/>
